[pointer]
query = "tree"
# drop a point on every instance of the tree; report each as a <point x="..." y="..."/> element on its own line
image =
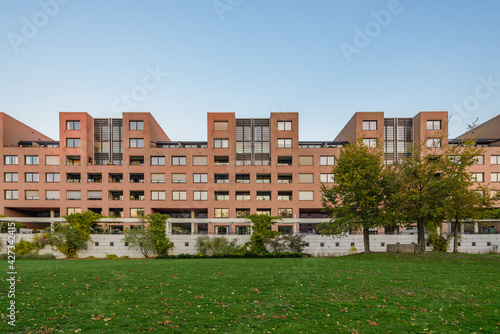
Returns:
<point x="73" y="236"/>
<point x="150" y="238"/>
<point x="464" y="202"/>
<point x="261" y="231"/>
<point x="358" y="197"/>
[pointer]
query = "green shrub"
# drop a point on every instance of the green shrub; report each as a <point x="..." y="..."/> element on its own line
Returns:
<point x="35" y="256"/>
<point x="23" y="247"/>
<point x="112" y="256"/>
<point x="124" y="257"/>
<point x="439" y="242"/>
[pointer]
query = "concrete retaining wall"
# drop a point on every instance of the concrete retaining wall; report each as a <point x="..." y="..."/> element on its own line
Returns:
<point x="317" y="245"/>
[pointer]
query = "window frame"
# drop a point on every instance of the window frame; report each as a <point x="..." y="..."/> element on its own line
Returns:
<point x="370" y="125"/>
<point x="136" y="143"/>
<point x="73" y="142"/>
<point x="221" y="142"/>
<point x="285" y="142"/>
<point x="285" y="126"/>
<point x="431" y="124"/>
<point x="157" y="160"/>
<point x="70" y="125"/>
<point x="178" y="160"/>
<point x="133" y="125"/>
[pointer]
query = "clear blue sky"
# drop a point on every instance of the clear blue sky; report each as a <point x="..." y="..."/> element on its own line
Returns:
<point x="324" y="59"/>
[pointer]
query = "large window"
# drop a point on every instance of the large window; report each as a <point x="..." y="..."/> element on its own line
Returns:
<point x="284" y="125"/>
<point x="242" y="195"/>
<point x="52" y="160"/>
<point x="157" y="195"/>
<point x="158" y="161"/>
<point x="221" y="178"/>
<point x="221" y="125"/>
<point x="31" y="159"/>
<point x="327" y="178"/>
<point x="10" y="159"/>
<point x="53" y="194"/>
<point x="52" y="177"/>
<point x="157" y="178"/>
<point x="285" y="178"/>
<point x="263" y="195"/>
<point x="263" y="178"/>
<point x="200" y="195"/>
<point x="306" y="160"/>
<point x="31" y="177"/>
<point x="479" y="160"/>
<point x="10" y="177"/>
<point x="306" y="195"/>
<point x="136" y="142"/>
<point x="72" y="125"/>
<point x="178" y="195"/>
<point x="136" y="212"/>
<point x="285" y="195"/>
<point x="284" y="142"/>
<point x="201" y="160"/>
<point x="136" y="125"/>
<point x="178" y="161"/>
<point x="221" y="213"/>
<point x="327" y="160"/>
<point x="221" y="143"/>
<point x="369" y="125"/>
<point x="179" y="178"/>
<point x="306" y="178"/>
<point x="370" y="142"/>
<point x="31" y="195"/>
<point x="221" y="195"/>
<point x="495" y="159"/>
<point x="72" y="142"/>
<point x="433" y="125"/>
<point x="94" y="195"/>
<point x="495" y="177"/>
<point x="477" y="177"/>
<point x="285" y="213"/>
<point x="73" y="195"/>
<point x="200" y="178"/>
<point x="433" y="142"/>
<point x="11" y="194"/>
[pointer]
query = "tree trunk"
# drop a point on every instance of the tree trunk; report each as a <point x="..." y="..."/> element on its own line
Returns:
<point x="366" y="239"/>
<point x="455" y="237"/>
<point x="421" y="236"/>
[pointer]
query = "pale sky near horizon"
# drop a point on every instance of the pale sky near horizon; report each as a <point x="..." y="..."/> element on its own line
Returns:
<point x="179" y="59"/>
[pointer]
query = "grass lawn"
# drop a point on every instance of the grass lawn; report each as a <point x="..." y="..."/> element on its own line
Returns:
<point x="376" y="293"/>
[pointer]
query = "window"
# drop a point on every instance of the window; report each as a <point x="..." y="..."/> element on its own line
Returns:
<point x="136" y="212"/>
<point x="178" y="195"/>
<point x="285" y="213"/>
<point x="306" y="160"/>
<point x="136" y="142"/>
<point x="221" y="143"/>
<point x="221" y="178"/>
<point x="285" y="195"/>
<point x="327" y="178"/>
<point x="479" y="160"/>
<point x="200" y="178"/>
<point x="284" y="142"/>
<point x="284" y="161"/>
<point x="263" y="178"/>
<point x="221" y="125"/>
<point x="284" y="125"/>
<point x="158" y="195"/>
<point x="157" y="161"/>
<point x="263" y="195"/>
<point x="73" y="195"/>
<point x="136" y="125"/>
<point x="137" y="160"/>
<point x="369" y="125"/>
<point x="477" y="177"/>
<point x="10" y="159"/>
<point x="52" y="177"/>
<point x="31" y="159"/>
<point x="327" y="160"/>
<point x="221" y="213"/>
<point x="495" y="159"/>
<point x="10" y="177"/>
<point x="242" y="178"/>
<point x="284" y="178"/>
<point x="31" y="194"/>
<point x="74" y="210"/>
<point x="179" y="161"/>
<point x="72" y="125"/>
<point x="94" y="195"/>
<point x="306" y="195"/>
<point x="242" y="213"/>
<point x="157" y="178"/>
<point x="178" y="178"/>
<point x="221" y="160"/>
<point x="495" y="177"/>
<point x="136" y="177"/>
<point x="434" y="142"/>
<point x="433" y="125"/>
<point x="221" y="195"/>
<point x="52" y="195"/>
<point x="263" y="212"/>
<point x="242" y="195"/>
<point x="200" y="195"/>
<point x="30" y="177"/>
<point x="73" y="160"/>
<point x="370" y="142"/>
<point x="52" y="160"/>
<point x="11" y="194"/>
<point x="306" y="178"/>
<point x="200" y="161"/>
<point x="72" y="142"/>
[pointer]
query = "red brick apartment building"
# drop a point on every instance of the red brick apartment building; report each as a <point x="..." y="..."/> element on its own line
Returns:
<point x="124" y="167"/>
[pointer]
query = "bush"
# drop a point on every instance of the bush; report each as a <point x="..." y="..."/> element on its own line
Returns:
<point x="247" y="254"/>
<point x="35" y="256"/>
<point x="124" y="257"/>
<point x="112" y="256"/>
<point x="23" y="247"/>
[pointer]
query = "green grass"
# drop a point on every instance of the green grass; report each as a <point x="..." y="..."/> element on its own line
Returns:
<point x="376" y="293"/>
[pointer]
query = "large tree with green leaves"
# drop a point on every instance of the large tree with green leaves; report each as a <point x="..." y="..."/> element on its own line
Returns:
<point x="262" y="231"/>
<point x="72" y="236"/>
<point x="357" y="199"/>
<point x="150" y="236"/>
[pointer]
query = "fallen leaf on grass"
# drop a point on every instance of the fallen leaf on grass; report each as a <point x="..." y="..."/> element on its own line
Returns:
<point x="372" y="323"/>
